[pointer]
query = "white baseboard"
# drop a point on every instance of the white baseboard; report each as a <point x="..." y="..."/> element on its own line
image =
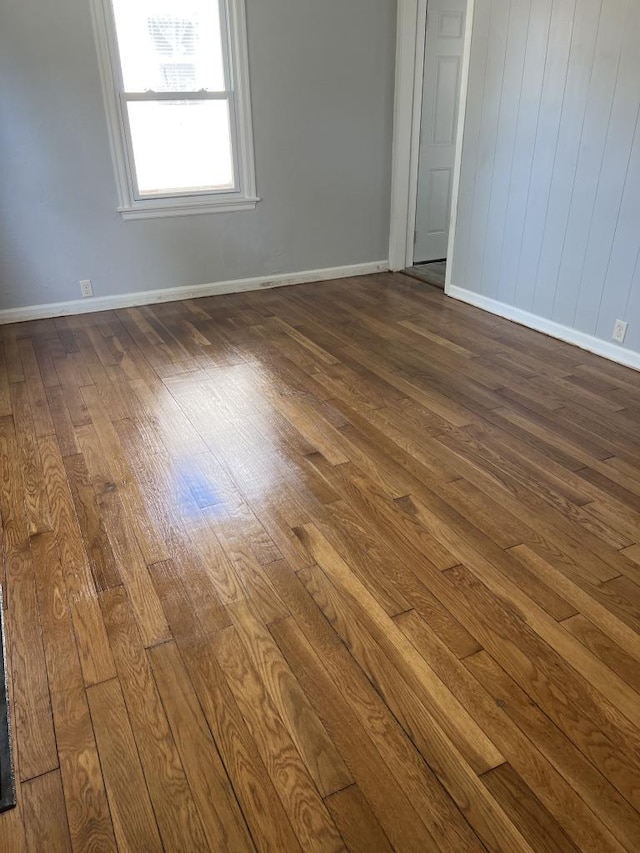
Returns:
<point x="610" y="350"/>
<point x="174" y="294"/>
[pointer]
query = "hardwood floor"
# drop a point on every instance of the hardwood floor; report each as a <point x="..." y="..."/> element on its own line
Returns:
<point x="432" y="273"/>
<point x="334" y="566"/>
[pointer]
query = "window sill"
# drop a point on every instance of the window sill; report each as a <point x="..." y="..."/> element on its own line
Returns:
<point x="158" y="209"/>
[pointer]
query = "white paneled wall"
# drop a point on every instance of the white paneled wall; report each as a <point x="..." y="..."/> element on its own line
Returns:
<point x="549" y="206"/>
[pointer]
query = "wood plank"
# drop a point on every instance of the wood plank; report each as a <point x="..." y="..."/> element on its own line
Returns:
<point x="356" y="822"/>
<point x="15" y="372"/>
<point x="579" y="544"/>
<point x="103" y="563"/>
<point x="38" y="511"/>
<point x="62" y="422"/>
<point x="118" y="469"/>
<point x="444" y="713"/>
<point x="5" y="396"/>
<point x="359" y="707"/>
<point x="612" y="809"/>
<point x="173" y="806"/>
<point x="129" y="560"/>
<point x="587" y="606"/>
<point x="45" y="346"/>
<point x="90" y="821"/>
<point x="134" y="823"/>
<point x="61" y="652"/>
<point x="42" y="422"/>
<point x="494" y="574"/>
<point x="589" y="724"/>
<point x="45" y="817"/>
<point x="30" y="696"/>
<point x="386" y="575"/>
<point x="352" y="726"/>
<point x="540" y="829"/>
<point x="222" y="820"/>
<point x="614" y="656"/>
<point x="449" y="764"/>
<point x="555" y="774"/>
<point x="323" y="763"/>
<point x="309" y="818"/>
<point x="12" y="829"/>
<point x="263" y="811"/>
<point x="171" y="512"/>
<point x="93" y="646"/>
<point x="268" y="821"/>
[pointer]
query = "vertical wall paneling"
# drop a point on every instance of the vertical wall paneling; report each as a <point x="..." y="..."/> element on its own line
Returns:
<point x="514" y="67"/>
<point x="490" y="122"/>
<point x="552" y="101"/>
<point x="549" y="204"/>
<point x="528" y="109"/>
<point x="614" y="174"/>
<point x="575" y="97"/>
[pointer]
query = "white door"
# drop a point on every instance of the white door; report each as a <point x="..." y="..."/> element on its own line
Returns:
<point x="440" y="99"/>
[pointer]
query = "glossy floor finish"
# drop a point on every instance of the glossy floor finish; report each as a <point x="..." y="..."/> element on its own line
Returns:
<point x="348" y="565"/>
<point x="434" y="273"/>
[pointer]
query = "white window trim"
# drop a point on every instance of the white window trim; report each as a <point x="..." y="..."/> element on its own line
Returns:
<point x="244" y="197"/>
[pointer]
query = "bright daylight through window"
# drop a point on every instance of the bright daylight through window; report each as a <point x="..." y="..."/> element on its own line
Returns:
<point x="175" y="80"/>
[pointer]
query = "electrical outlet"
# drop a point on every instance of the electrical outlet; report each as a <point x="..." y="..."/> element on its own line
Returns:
<point x="619" y="331"/>
<point x="86" y="288"/>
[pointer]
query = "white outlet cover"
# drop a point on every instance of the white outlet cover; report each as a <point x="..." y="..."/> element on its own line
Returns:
<point x="619" y="331"/>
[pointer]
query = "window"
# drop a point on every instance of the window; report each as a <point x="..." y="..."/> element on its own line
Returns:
<point x="176" y="88"/>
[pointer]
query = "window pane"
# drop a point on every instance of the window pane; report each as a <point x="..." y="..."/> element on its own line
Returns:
<point x="170" y="45"/>
<point x="181" y="146"/>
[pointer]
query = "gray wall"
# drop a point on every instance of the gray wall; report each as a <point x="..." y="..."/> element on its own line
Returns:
<point x="549" y="208"/>
<point x="322" y="85"/>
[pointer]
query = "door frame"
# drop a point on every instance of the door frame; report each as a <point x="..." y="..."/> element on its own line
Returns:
<point x="407" y="115"/>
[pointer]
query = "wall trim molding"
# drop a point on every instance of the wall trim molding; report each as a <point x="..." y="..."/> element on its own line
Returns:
<point x="403" y="122"/>
<point x="175" y="294"/>
<point x="610" y="350"/>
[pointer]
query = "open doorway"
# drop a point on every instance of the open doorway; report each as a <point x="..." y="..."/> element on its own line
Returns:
<point x="432" y="67"/>
<point x="439" y="108"/>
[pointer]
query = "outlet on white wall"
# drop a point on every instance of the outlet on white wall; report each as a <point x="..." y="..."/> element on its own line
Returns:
<point x="86" y="288"/>
<point x="619" y="331"/>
